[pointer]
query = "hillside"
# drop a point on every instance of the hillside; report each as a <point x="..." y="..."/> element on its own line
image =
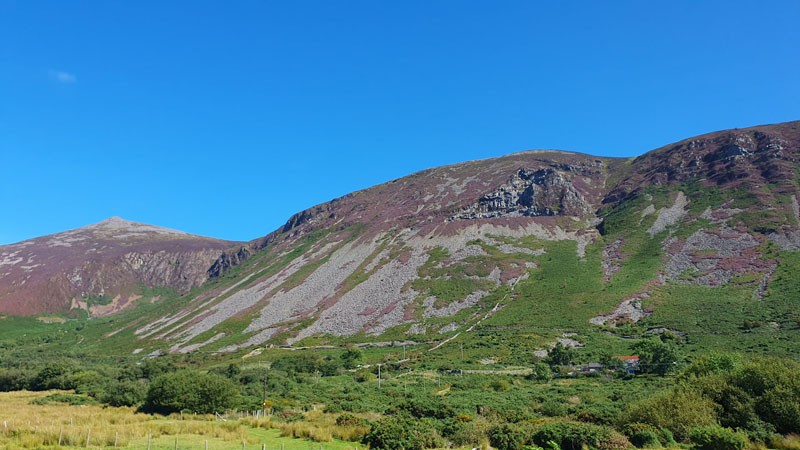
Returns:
<point x="101" y="268"/>
<point x="697" y="239"/>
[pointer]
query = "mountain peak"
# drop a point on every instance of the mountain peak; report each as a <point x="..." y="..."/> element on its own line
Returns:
<point x="120" y="227"/>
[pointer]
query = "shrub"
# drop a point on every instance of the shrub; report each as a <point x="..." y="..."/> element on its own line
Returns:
<point x="554" y="408"/>
<point x="15" y="379"/>
<point x="643" y="435"/>
<point x="715" y="437"/>
<point x="464" y="431"/>
<point x="53" y="376"/>
<point x="678" y="411"/>
<point x="540" y="373"/>
<point x="780" y="407"/>
<point x="402" y="433"/>
<point x="424" y="407"/>
<point x="125" y="393"/>
<point x="364" y="375"/>
<point x="351" y="357"/>
<point x="507" y="436"/>
<point x="576" y="435"/>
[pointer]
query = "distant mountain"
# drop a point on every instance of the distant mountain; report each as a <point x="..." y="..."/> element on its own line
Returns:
<point x="695" y="239"/>
<point x="101" y="268"/>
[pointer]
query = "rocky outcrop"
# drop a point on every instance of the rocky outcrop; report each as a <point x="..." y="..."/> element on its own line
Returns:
<point x="229" y="260"/>
<point x="541" y="192"/>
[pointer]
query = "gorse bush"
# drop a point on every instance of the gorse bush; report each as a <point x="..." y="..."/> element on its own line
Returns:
<point x="508" y="436"/>
<point x="761" y="396"/>
<point x="678" y="410"/>
<point x="576" y="435"/>
<point x="643" y="435"/>
<point x="402" y="432"/>
<point x="715" y="437"/>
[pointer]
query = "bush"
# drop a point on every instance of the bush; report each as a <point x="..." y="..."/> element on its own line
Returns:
<point x="780" y="407"/>
<point x="423" y="407"/>
<point x="53" y="376"/>
<point x="467" y="434"/>
<point x="554" y="408"/>
<point x="507" y="436"/>
<point x="576" y="435"/>
<point x="402" y="433"/>
<point x="190" y="391"/>
<point x="678" y="411"/>
<point x="15" y="379"/>
<point x="715" y="437"/>
<point x="351" y="357"/>
<point x="364" y="375"/>
<point x="643" y="435"/>
<point x="540" y="373"/>
<point x="125" y="393"/>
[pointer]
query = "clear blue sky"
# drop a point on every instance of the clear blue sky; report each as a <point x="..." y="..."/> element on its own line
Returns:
<point x="224" y="118"/>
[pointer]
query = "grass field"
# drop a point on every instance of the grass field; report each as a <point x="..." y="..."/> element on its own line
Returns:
<point x="26" y="425"/>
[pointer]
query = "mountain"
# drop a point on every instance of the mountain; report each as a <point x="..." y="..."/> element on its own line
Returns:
<point x="101" y="268"/>
<point x="697" y="239"/>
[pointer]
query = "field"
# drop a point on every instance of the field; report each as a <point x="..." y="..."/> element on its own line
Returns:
<point x="24" y="424"/>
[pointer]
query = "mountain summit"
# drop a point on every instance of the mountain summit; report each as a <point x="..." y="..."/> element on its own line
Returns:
<point x="101" y="268"/>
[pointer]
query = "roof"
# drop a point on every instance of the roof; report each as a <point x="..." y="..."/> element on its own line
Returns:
<point x="628" y="358"/>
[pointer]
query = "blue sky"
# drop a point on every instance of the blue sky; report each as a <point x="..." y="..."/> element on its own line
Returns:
<point x="224" y="118"/>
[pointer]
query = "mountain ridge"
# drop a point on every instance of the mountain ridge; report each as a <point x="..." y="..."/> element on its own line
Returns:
<point x="524" y="240"/>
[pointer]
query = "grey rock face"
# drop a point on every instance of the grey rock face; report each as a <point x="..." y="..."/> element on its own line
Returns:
<point x="229" y="260"/>
<point x="543" y="192"/>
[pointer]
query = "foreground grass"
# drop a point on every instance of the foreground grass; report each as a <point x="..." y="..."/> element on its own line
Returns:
<point x="24" y="425"/>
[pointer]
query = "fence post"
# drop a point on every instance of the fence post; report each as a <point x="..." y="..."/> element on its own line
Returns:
<point x="148" y="441"/>
<point x="88" y="435"/>
<point x="60" y="435"/>
<point x="116" y="435"/>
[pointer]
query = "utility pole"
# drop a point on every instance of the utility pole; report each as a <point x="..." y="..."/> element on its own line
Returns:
<point x="264" y="403"/>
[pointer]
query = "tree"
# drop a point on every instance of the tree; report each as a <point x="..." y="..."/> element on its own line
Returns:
<point x="560" y="355"/>
<point x="125" y="393"/>
<point x="351" y="357"/>
<point x="187" y="390"/>
<point x="540" y="372"/>
<point x="657" y="357"/>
